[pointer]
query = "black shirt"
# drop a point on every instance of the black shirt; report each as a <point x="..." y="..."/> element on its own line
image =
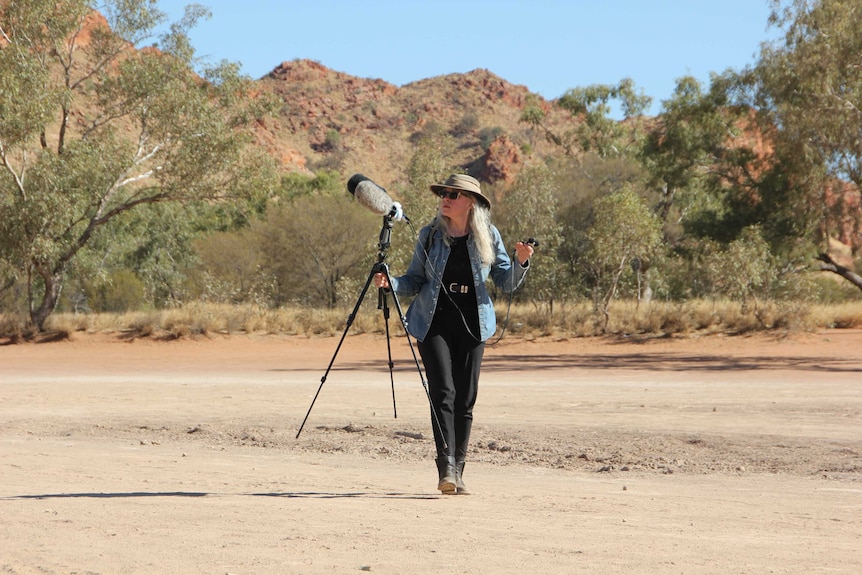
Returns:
<point x="458" y="293"/>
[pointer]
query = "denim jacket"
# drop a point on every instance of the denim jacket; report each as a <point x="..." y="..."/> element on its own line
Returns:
<point x="423" y="281"/>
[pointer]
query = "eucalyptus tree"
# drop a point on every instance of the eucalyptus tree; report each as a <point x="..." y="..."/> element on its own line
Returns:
<point x="624" y="234"/>
<point x="686" y="143"/>
<point x="92" y="127"/>
<point x="808" y="84"/>
<point x="595" y="129"/>
<point x="532" y="209"/>
<point x="744" y="270"/>
<point x="812" y="80"/>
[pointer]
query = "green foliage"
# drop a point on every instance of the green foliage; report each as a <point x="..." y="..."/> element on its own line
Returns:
<point x="155" y="244"/>
<point x="682" y="150"/>
<point x="580" y="185"/>
<point x="806" y="88"/>
<point x="123" y="291"/>
<point x="146" y="131"/>
<point x="533" y="112"/>
<point x="531" y="209"/>
<point x="332" y="141"/>
<point x="315" y="246"/>
<point x="742" y="270"/>
<point x="325" y="182"/>
<point x="624" y="229"/>
<point x="231" y="269"/>
<point x="813" y="83"/>
<point x="597" y="131"/>
<point x="155" y="195"/>
<point x="428" y="164"/>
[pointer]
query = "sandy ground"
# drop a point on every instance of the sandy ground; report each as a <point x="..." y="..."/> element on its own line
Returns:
<point x="725" y="455"/>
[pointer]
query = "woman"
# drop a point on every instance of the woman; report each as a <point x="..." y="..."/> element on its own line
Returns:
<point x="452" y="315"/>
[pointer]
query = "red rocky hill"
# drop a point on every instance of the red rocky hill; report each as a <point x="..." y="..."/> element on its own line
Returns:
<point x="369" y="125"/>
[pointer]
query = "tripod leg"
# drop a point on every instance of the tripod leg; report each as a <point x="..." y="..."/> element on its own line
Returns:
<point x="383" y="305"/>
<point x="350" y="319"/>
<point x="403" y="319"/>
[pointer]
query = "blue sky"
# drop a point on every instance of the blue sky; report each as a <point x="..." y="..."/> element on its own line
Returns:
<point x="549" y="46"/>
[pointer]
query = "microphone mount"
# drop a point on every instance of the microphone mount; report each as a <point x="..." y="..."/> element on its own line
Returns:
<point x="385" y="239"/>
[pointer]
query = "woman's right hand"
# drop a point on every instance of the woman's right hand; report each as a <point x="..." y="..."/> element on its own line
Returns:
<point x="380" y="280"/>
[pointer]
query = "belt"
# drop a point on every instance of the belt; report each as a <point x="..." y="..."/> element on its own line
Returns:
<point x="458" y="288"/>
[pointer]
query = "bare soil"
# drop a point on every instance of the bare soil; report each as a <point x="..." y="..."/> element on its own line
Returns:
<point x="704" y="455"/>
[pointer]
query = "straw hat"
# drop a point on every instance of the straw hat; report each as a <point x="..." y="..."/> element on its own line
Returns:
<point x="463" y="183"/>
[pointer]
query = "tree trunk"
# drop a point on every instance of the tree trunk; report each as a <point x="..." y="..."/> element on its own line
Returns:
<point x="831" y="266"/>
<point x="8" y="285"/>
<point x="50" y="297"/>
<point x="667" y="197"/>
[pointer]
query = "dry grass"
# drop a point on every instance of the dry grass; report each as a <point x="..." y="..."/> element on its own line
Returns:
<point x="680" y="318"/>
<point x="525" y="320"/>
<point x="204" y="319"/>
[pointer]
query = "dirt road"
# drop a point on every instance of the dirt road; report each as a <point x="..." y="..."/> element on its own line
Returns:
<point x="693" y="456"/>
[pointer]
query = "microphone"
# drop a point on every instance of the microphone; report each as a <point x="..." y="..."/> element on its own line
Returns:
<point x="374" y="198"/>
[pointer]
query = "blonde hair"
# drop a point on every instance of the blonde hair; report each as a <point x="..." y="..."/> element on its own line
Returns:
<point x="480" y="227"/>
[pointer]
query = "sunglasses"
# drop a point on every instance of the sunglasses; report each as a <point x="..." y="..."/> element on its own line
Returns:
<point x="451" y="194"/>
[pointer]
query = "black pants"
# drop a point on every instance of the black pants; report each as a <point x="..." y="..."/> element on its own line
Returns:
<point x="452" y="359"/>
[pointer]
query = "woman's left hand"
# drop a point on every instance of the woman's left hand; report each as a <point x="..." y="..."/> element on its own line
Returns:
<point x="524" y="252"/>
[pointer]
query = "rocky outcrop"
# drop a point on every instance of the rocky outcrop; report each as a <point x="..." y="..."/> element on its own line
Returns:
<point x="502" y="161"/>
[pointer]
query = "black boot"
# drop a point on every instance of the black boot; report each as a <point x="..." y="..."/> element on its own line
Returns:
<point x="448" y="473"/>
<point x="463" y="426"/>
<point x="460" y="488"/>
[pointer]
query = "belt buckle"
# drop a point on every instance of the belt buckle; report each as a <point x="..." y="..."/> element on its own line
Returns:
<point x="458" y="288"/>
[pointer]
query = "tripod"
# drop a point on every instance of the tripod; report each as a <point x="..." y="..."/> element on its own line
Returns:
<point x="382" y="304"/>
